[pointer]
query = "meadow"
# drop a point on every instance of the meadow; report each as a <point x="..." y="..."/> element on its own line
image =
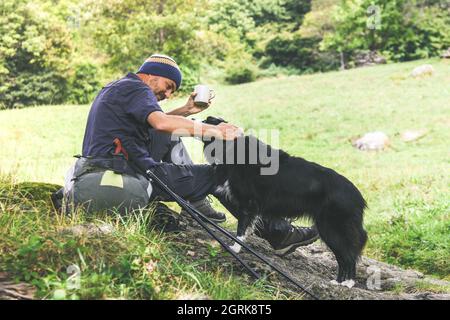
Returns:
<point x="317" y="116"/>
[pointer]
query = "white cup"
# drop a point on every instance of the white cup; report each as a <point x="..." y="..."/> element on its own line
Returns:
<point x="204" y="94"/>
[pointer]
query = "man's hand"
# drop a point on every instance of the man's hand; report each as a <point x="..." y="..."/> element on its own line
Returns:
<point x="185" y="127"/>
<point x="192" y="108"/>
<point x="225" y="131"/>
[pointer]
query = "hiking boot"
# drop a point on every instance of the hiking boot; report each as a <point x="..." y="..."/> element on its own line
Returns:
<point x="296" y="237"/>
<point x="165" y="219"/>
<point x="204" y="206"/>
<point x="57" y="199"/>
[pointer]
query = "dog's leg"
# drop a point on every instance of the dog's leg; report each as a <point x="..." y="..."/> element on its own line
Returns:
<point x="243" y="224"/>
<point x="343" y="233"/>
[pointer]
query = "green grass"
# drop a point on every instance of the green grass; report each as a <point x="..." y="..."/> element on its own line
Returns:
<point x="132" y="262"/>
<point x="406" y="186"/>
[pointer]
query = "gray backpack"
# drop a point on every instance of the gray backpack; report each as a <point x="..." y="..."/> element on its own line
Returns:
<point x="105" y="184"/>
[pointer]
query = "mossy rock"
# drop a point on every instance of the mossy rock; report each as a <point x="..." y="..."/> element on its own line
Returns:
<point x="37" y="190"/>
<point x="32" y="191"/>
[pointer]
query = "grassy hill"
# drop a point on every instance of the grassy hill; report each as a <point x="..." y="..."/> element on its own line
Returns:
<point x="317" y="116"/>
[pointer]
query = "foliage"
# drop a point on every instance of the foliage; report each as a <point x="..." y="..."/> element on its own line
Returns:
<point x="129" y="31"/>
<point x="301" y="53"/>
<point x="402" y="30"/>
<point x="240" y="71"/>
<point x="190" y="78"/>
<point x="319" y="20"/>
<point x="35" y="48"/>
<point x="84" y="83"/>
<point x="253" y="23"/>
<point x="63" y="51"/>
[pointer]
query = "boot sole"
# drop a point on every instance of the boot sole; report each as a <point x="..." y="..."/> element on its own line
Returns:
<point x="212" y="219"/>
<point x="291" y="248"/>
<point x="218" y="220"/>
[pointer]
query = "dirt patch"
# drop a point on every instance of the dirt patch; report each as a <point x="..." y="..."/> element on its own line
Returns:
<point x="314" y="267"/>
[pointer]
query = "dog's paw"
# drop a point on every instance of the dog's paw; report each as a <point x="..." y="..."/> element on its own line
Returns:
<point x="334" y="282"/>
<point x="347" y="283"/>
<point x="236" y="247"/>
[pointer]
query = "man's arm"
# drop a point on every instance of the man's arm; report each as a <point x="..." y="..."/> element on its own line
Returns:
<point x="181" y="111"/>
<point x="189" y="108"/>
<point x="186" y="127"/>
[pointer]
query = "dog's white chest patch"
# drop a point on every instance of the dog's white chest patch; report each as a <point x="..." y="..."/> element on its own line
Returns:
<point x="225" y="191"/>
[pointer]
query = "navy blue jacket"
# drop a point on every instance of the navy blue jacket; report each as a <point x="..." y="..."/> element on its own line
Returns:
<point x="120" y="110"/>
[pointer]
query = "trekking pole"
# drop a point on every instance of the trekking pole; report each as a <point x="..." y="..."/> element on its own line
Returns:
<point x="189" y="209"/>
<point x="196" y="214"/>
<point x="261" y="257"/>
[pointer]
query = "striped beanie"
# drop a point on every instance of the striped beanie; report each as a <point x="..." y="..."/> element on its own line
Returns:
<point x="163" y="66"/>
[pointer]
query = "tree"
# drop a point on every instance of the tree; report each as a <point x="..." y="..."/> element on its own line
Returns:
<point x="35" y="48"/>
<point x="402" y="30"/>
<point x="129" y="31"/>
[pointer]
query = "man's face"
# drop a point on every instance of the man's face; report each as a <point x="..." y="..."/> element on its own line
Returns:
<point x="162" y="87"/>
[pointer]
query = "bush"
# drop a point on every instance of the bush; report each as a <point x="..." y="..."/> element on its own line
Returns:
<point x="406" y="30"/>
<point x="190" y="78"/>
<point x="300" y="53"/>
<point x="274" y="71"/>
<point x="129" y="31"/>
<point x="35" y="48"/>
<point x="84" y="83"/>
<point x="240" y="71"/>
<point x="28" y="88"/>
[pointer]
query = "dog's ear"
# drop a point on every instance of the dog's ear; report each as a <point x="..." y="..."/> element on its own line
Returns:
<point x="213" y="120"/>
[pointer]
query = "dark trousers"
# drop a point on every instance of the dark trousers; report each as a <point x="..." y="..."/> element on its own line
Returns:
<point x="175" y="168"/>
<point x="194" y="182"/>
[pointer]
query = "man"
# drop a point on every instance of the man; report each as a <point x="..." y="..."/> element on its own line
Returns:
<point x="127" y="133"/>
<point x="128" y="109"/>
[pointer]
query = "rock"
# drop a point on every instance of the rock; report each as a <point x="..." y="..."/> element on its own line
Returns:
<point x="432" y="296"/>
<point x="315" y="267"/>
<point x="193" y="296"/>
<point x="372" y="141"/>
<point x="369" y="58"/>
<point x="89" y="230"/>
<point x="25" y="193"/>
<point x="423" y="70"/>
<point x="412" y="135"/>
<point x="10" y="290"/>
<point x="446" y="54"/>
<point x="191" y="253"/>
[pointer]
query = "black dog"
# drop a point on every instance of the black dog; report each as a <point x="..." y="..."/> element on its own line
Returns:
<point x="299" y="188"/>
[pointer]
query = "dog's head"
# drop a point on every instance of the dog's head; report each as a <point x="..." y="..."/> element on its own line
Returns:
<point x="214" y="120"/>
<point x="245" y="150"/>
<point x="211" y="145"/>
